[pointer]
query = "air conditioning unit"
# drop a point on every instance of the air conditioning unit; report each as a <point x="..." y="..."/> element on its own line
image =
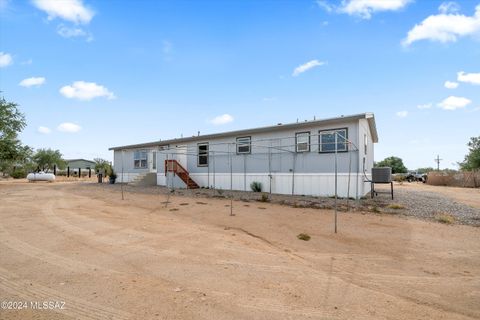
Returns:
<point x="382" y="175"/>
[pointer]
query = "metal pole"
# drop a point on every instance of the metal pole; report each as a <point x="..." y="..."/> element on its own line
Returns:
<point x="208" y="167"/>
<point x="123" y="181"/>
<point x="166" y="179"/>
<point x="349" y="171"/>
<point x="231" y="182"/>
<point x="244" y="172"/>
<point x="270" y="167"/>
<point x="293" y="173"/>
<point x="213" y="164"/>
<point x="336" y="173"/>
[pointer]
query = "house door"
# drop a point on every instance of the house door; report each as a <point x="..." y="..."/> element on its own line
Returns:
<point x="152" y="161"/>
<point x="181" y="155"/>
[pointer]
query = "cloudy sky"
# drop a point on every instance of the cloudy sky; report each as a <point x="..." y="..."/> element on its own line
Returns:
<point x="93" y="74"/>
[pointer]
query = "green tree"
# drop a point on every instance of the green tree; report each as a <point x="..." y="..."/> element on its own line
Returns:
<point x="47" y="158"/>
<point x="12" y="122"/>
<point x="425" y="170"/>
<point x="472" y="159"/>
<point x="395" y="163"/>
<point x="103" y="164"/>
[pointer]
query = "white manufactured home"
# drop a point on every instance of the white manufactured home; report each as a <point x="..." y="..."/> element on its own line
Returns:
<point x="302" y="158"/>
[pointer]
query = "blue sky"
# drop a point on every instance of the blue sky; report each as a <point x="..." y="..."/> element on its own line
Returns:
<point x="94" y="74"/>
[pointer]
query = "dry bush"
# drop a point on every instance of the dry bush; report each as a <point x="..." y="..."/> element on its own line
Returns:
<point x="303" y="236"/>
<point x="396" y="206"/>
<point x="445" y="218"/>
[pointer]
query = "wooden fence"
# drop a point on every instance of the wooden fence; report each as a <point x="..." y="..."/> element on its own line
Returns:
<point x="468" y="179"/>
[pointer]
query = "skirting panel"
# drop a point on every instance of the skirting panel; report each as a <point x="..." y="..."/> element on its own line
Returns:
<point x="313" y="184"/>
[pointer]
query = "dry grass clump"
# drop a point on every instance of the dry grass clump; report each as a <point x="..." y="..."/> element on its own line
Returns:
<point x="396" y="206"/>
<point x="303" y="236"/>
<point x="445" y="218"/>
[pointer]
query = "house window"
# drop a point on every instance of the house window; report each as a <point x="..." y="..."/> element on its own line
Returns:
<point x="365" y="142"/>
<point x="202" y="159"/>
<point x="302" y="141"/>
<point x="244" y="145"/>
<point x="327" y="140"/>
<point x="140" y="159"/>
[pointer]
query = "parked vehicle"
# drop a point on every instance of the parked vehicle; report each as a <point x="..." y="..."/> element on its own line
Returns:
<point x="413" y="176"/>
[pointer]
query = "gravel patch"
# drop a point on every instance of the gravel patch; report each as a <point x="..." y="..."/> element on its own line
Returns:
<point x="413" y="203"/>
<point x="426" y="205"/>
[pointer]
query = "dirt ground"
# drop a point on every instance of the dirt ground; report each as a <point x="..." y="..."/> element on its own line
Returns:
<point x="108" y="258"/>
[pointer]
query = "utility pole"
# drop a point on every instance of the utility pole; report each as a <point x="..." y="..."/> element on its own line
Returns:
<point x="437" y="160"/>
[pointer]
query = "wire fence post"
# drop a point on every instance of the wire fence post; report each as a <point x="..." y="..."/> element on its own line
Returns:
<point x="244" y="172"/>
<point x="208" y="167"/>
<point x="349" y="171"/>
<point x="336" y="178"/>
<point x="270" y="167"/>
<point x="166" y="179"/>
<point x="213" y="164"/>
<point x="231" y="180"/>
<point x="123" y="181"/>
<point x="293" y="173"/>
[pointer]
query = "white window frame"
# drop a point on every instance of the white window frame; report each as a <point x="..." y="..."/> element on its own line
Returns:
<point x="246" y="143"/>
<point x="203" y="153"/>
<point x="299" y="143"/>
<point x="341" y="132"/>
<point x="142" y="161"/>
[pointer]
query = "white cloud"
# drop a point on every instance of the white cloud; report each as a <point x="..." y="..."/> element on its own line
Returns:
<point x="68" y="32"/>
<point x="450" y="84"/>
<point x="472" y="78"/>
<point x="70" y="10"/>
<point x="424" y="106"/>
<point x="33" y="81"/>
<point x="167" y="47"/>
<point x="26" y="62"/>
<point x="86" y="91"/>
<point x="4" y="4"/>
<point x="307" y="66"/>
<point x="453" y="103"/>
<point x="449" y="7"/>
<point x="365" y="8"/>
<point x="69" y="127"/>
<point x="326" y="6"/>
<point x="44" y="130"/>
<point x="5" y="59"/>
<point x="268" y="99"/>
<point x="445" y="27"/>
<point x="402" y="114"/>
<point x="223" y="119"/>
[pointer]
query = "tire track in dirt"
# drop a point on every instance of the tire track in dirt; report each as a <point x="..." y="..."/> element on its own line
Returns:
<point x="74" y="307"/>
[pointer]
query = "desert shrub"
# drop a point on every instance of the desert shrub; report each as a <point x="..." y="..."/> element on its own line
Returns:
<point x="303" y="236"/>
<point x="256" y="186"/>
<point x="19" y="174"/>
<point x="396" y="206"/>
<point x="264" y="198"/>
<point x="375" y="209"/>
<point x="446" y="218"/>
